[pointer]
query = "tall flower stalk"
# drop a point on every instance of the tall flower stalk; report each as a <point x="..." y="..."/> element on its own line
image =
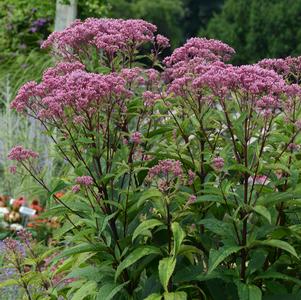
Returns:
<point x="185" y="165"/>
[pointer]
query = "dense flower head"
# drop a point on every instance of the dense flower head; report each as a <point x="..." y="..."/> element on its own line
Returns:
<point x="77" y="89"/>
<point x="250" y="82"/>
<point x="150" y="98"/>
<point x="75" y="188"/>
<point x="136" y="137"/>
<point x="162" y="41"/>
<point x="256" y="80"/>
<point x="21" y="154"/>
<point x="140" y="77"/>
<point x="27" y="91"/>
<point x="165" y="168"/>
<point x="11" y="247"/>
<point x="218" y="163"/>
<point x="62" y="68"/>
<point x="12" y="169"/>
<point x="195" y="52"/>
<point x="283" y="66"/>
<point x="191" y="177"/>
<point x="279" y="65"/>
<point x="266" y="105"/>
<point x="165" y="174"/>
<point x="109" y="35"/>
<point x="207" y="49"/>
<point x="25" y="236"/>
<point x="84" y="180"/>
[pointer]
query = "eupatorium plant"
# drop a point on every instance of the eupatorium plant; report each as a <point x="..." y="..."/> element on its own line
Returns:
<point x="184" y="175"/>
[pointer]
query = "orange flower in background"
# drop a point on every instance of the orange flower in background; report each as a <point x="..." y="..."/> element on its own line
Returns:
<point x="36" y="206"/>
<point x="35" y="222"/>
<point x="59" y="194"/>
<point x="19" y="202"/>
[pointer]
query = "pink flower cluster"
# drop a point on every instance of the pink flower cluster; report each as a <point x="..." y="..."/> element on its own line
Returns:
<point x="140" y="77"/>
<point x="196" y="51"/>
<point x="136" y="137"/>
<point x="166" y="167"/>
<point x="261" y="87"/>
<point x="150" y="98"/>
<point x="221" y="79"/>
<point x="21" y="154"/>
<point x="259" y="179"/>
<point x="61" y="89"/>
<point x="109" y="35"/>
<point x="218" y="163"/>
<point x="267" y="104"/>
<point x="84" y="180"/>
<point x="283" y="66"/>
<point x="75" y="188"/>
<point x="191" y="177"/>
<point x="162" y="41"/>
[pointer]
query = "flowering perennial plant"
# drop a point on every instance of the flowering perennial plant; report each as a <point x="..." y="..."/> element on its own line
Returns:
<point x="187" y="171"/>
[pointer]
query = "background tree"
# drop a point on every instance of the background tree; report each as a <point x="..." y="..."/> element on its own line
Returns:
<point x="177" y="19"/>
<point x="258" y="28"/>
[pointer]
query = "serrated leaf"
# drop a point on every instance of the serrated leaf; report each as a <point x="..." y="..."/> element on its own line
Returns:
<point x="218" y="227"/>
<point x="178" y="236"/>
<point x="148" y="194"/>
<point x="277" y="275"/>
<point x="134" y="257"/>
<point x="218" y="256"/>
<point x="210" y="198"/>
<point x="263" y="211"/>
<point x="86" y="290"/>
<point x="109" y="290"/>
<point x="81" y="248"/>
<point x="278" y="244"/>
<point x="248" y="292"/>
<point x="166" y="268"/>
<point x="146" y="225"/>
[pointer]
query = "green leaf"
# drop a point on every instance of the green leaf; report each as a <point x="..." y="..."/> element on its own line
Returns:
<point x="59" y="186"/>
<point x="277" y="166"/>
<point x="175" y="296"/>
<point x="81" y="248"/>
<point x="153" y="297"/>
<point x="109" y="290"/>
<point x="277" y="275"/>
<point x="278" y="244"/>
<point x="248" y="292"/>
<point x="218" y="227"/>
<point x="240" y="168"/>
<point x="263" y="211"/>
<point x="166" y="268"/>
<point x="210" y="198"/>
<point x="148" y="194"/>
<point x="86" y="290"/>
<point x="134" y="257"/>
<point x="146" y="225"/>
<point x="217" y="256"/>
<point x="178" y="236"/>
